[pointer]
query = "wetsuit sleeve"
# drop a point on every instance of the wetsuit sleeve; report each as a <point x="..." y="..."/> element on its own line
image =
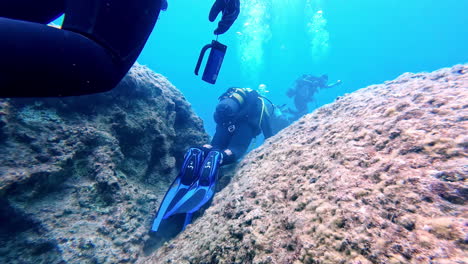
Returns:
<point x="266" y="123"/>
<point x="240" y="140"/>
<point x="51" y="62"/>
<point x="98" y="43"/>
<point x="221" y="138"/>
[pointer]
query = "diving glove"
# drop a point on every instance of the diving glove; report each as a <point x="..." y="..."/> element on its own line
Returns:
<point x="164" y="5"/>
<point x="230" y="10"/>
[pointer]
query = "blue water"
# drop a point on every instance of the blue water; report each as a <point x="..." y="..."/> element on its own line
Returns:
<point x="273" y="42"/>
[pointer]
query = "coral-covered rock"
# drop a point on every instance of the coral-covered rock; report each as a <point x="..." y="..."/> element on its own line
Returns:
<point x="379" y="176"/>
<point x="81" y="177"/>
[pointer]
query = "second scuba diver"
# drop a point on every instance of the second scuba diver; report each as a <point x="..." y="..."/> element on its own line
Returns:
<point x="303" y="92"/>
<point x="241" y="115"/>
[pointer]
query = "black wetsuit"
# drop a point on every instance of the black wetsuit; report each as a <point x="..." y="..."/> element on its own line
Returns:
<point x="98" y="43"/>
<point x="303" y="93"/>
<point x="237" y="133"/>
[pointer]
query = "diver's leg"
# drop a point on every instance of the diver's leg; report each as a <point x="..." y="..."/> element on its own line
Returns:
<point x="40" y="61"/>
<point x="301" y="105"/>
<point x="40" y="11"/>
<point x="121" y="26"/>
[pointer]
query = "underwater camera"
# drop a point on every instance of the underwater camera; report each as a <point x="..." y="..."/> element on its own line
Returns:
<point x="215" y="60"/>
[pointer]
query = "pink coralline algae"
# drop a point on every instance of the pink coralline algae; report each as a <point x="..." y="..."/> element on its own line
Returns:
<point x="379" y="176"/>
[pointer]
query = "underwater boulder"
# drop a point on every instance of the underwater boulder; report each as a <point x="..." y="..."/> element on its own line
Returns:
<point x="378" y="176"/>
<point x="82" y="177"/>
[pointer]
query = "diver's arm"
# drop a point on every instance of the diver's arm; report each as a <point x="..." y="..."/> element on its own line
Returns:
<point x="220" y="138"/>
<point x="266" y="128"/>
<point x="334" y="84"/>
<point x="228" y="157"/>
<point x="220" y="142"/>
<point x="239" y="143"/>
<point x="265" y="123"/>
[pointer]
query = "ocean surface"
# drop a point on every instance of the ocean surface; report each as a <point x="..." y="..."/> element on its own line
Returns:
<point x="274" y="42"/>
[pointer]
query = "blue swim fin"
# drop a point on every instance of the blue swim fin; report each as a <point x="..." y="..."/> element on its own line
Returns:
<point x="202" y="190"/>
<point x="187" y="176"/>
<point x="188" y="219"/>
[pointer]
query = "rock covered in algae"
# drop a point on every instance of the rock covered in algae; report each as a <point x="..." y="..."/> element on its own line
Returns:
<point x="81" y="177"/>
<point x="379" y="176"/>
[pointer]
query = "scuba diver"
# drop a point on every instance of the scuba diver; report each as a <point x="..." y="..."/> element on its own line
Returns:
<point x="241" y="115"/>
<point x="98" y="43"/>
<point x="304" y="90"/>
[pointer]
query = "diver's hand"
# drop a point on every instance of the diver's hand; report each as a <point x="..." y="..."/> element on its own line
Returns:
<point x="228" y="157"/>
<point x="230" y="10"/>
<point x="207" y="146"/>
<point x="228" y="152"/>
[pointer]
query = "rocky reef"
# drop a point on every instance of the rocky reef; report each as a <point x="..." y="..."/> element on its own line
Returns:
<point x="81" y="177"/>
<point x="379" y="176"/>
